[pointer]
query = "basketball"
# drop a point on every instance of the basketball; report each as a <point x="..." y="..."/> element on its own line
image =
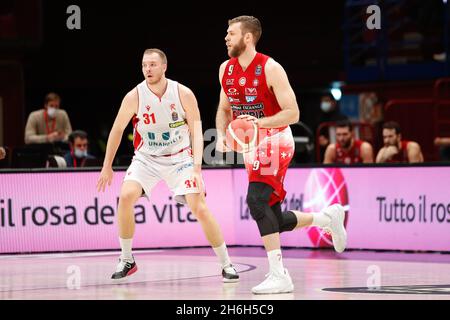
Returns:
<point x="241" y="135"/>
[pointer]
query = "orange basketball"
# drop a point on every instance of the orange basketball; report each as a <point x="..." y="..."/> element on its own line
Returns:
<point x="241" y="135"/>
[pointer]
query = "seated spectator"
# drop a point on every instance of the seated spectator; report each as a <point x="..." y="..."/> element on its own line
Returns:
<point x="444" y="147"/>
<point x="78" y="154"/>
<point x="329" y="113"/>
<point x="2" y="153"/>
<point x="347" y="149"/>
<point x="395" y="149"/>
<point x="48" y="125"/>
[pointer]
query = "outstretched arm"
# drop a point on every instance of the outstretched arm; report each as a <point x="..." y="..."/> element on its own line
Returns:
<point x="194" y="123"/>
<point x="223" y="116"/>
<point x="127" y="110"/>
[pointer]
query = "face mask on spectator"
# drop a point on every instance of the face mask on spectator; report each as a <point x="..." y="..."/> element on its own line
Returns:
<point x="325" y="106"/>
<point x="80" y="153"/>
<point x="51" y="112"/>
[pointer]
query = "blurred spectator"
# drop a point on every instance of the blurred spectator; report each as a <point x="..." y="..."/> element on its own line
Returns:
<point x="329" y="112"/>
<point x="48" y="125"/>
<point x="78" y="154"/>
<point x="444" y="147"/>
<point x="347" y="149"/>
<point x="2" y="153"/>
<point x="395" y="149"/>
<point x="370" y="108"/>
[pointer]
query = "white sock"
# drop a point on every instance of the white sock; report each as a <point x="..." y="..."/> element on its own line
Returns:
<point x="126" y="245"/>
<point x="276" y="261"/>
<point x="320" y="220"/>
<point x="222" y="253"/>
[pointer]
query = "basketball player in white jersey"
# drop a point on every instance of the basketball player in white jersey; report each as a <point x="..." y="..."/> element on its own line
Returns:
<point x="167" y="124"/>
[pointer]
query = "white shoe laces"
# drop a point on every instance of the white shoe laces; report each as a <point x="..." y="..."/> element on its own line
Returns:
<point x="122" y="265"/>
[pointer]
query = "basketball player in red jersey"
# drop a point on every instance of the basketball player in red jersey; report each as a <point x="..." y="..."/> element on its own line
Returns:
<point x="168" y="142"/>
<point x="348" y="150"/>
<point x="395" y="149"/>
<point x="255" y="87"/>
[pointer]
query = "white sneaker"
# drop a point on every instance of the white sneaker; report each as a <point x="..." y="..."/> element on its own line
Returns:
<point x="336" y="213"/>
<point x="229" y="274"/>
<point x="275" y="283"/>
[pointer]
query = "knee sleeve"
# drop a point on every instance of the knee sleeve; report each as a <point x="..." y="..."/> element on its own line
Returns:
<point x="258" y="199"/>
<point x="258" y="203"/>
<point x="287" y="221"/>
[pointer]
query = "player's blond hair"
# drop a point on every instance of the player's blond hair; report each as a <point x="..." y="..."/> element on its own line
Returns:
<point x="159" y="52"/>
<point x="249" y="24"/>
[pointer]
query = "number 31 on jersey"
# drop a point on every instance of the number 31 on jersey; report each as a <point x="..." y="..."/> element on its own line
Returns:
<point x="149" y="118"/>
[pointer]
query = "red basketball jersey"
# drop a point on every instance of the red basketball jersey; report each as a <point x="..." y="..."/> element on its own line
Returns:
<point x="247" y="91"/>
<point x="402" y="155"/>
<point x="353" y="155"/>
<point x="248" y="94"/>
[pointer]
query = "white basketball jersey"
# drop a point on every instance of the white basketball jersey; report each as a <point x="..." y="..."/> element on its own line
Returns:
<point x="160" y="127"/>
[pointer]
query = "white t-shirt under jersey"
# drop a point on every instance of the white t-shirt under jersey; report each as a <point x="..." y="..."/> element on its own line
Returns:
<point x="160" y="127"/>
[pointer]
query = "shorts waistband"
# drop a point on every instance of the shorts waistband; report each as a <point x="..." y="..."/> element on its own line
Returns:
<point x="173" y="154"/>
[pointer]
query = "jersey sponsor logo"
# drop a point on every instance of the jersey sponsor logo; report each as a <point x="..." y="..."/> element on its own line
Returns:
<point x="172" y="107"/>
<point x="257" y="106"/>
<point x="242" y="81"/>
<point x="258" y="70"/>
<point x="230" y="69"/>
<point x="251" y="92"/>
<point x="256" y="113"/>
<point x="233" y="92"/>
<point x="185" y="166"/>
<point x="174" y="116"/>
<point x="230" y="82"/>
<point x="234" y="100"/>
<point x="255" y="110"/>
<point x="166" y="136"/>
<point x="151" y="135"/>
<point x="177" y="124"/>
<point x="165" y="143"/>
<point x="255" y="83"/>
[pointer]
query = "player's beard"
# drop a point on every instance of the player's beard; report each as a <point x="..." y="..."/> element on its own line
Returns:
<point x="347" y="144"/>
<point x="238" y="49"/>
<point x="154" y="80"/>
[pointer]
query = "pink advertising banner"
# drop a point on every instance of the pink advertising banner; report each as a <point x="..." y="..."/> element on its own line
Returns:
<point x="387" y="208"/>
<point x="43" y="212"/>
<point x="396" y="208"/>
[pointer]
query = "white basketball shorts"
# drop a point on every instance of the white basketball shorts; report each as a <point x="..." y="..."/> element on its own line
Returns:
<point x="175" y="170"/>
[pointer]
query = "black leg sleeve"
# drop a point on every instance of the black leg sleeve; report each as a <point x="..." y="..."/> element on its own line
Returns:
<point x="286" y="220"/>
<point x="258" y="197"/>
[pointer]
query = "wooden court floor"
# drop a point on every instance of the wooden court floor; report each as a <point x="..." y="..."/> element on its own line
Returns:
<point x="195" y="274"/>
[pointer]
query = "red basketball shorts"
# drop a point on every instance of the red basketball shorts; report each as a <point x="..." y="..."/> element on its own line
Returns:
<point x="269" y="161"/>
